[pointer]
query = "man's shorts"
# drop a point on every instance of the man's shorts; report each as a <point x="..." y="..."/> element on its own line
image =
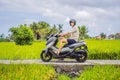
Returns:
<point x="71" y="41"/>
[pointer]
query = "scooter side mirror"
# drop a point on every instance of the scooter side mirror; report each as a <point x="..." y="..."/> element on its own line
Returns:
<point x="60" y="31"/>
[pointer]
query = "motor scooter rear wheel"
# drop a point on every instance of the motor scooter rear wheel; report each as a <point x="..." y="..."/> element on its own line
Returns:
<point x="83" y="57"/>
<point x="46" y="57"/>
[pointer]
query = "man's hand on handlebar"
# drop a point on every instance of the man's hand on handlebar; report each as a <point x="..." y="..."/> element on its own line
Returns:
<point x="62" y="35"/>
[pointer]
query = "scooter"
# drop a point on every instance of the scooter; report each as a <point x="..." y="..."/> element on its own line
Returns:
<point x="76" y="51"/>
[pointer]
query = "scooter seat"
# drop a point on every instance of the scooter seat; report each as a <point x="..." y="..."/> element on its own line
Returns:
<point x="81" y="41"/>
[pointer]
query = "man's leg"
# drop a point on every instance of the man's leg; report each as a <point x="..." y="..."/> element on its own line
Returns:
<point x="63" y="40"/>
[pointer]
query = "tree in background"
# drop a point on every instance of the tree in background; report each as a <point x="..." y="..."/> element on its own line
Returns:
<point x="53" y="29"/>
<point x="42" y="29"/>
<point x="60" y="27"/>
<point x="34" y="28"/>
<point x="83" y="30"/>
<point x="2" y="35"/>
<point x="4" y="38"/>
<point x="22" y="35"/>
<point x="117" y="36"/>
<point x="102" y="35"/>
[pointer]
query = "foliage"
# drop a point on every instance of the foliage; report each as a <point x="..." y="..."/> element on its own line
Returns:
<point x="83" y="30"/>
<point x="102" y="35"/>
<point x="3" y="39"/>
<point x="8" y="50"/>
<point x="42" y="29"/>
<point x="97" y="49"/>
<point x="22" y="35"/>
<point x="26" y="72"/>
<point x="2" y="35"/>
<point x="103" y="49"/>
<point x="53" y="30"/>
<point x="47" y="72"/>
<point x="60" y="27"/>
<point x="63" y="77"/>
<point x="98" y="72"/>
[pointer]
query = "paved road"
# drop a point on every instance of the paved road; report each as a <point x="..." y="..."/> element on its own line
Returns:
<point x="64" y="62"/>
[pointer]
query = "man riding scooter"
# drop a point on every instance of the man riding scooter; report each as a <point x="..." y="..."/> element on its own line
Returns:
<point x="73" y="48"/>
<point x="74" y="35"/>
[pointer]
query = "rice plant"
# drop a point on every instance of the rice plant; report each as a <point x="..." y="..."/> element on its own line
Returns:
<point x="98" y="72"/>
<point x="26" y="72"/>
<point x="98" y="49"/>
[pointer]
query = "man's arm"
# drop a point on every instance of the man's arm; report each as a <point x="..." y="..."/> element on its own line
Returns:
<point x="67" y="33"/>
<point x="64" y="34"/>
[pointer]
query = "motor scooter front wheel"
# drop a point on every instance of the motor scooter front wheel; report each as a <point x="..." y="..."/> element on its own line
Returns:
<point x="83" y="57"/>
<point x="46" y="57"/>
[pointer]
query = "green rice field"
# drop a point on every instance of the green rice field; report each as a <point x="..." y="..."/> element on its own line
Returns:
<point x="43" y="72"/>
<point x="98" y="49"/>
<point x="26" y="72"/>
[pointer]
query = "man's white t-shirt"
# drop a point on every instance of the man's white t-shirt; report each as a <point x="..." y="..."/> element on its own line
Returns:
<point x="74" y="33"/>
